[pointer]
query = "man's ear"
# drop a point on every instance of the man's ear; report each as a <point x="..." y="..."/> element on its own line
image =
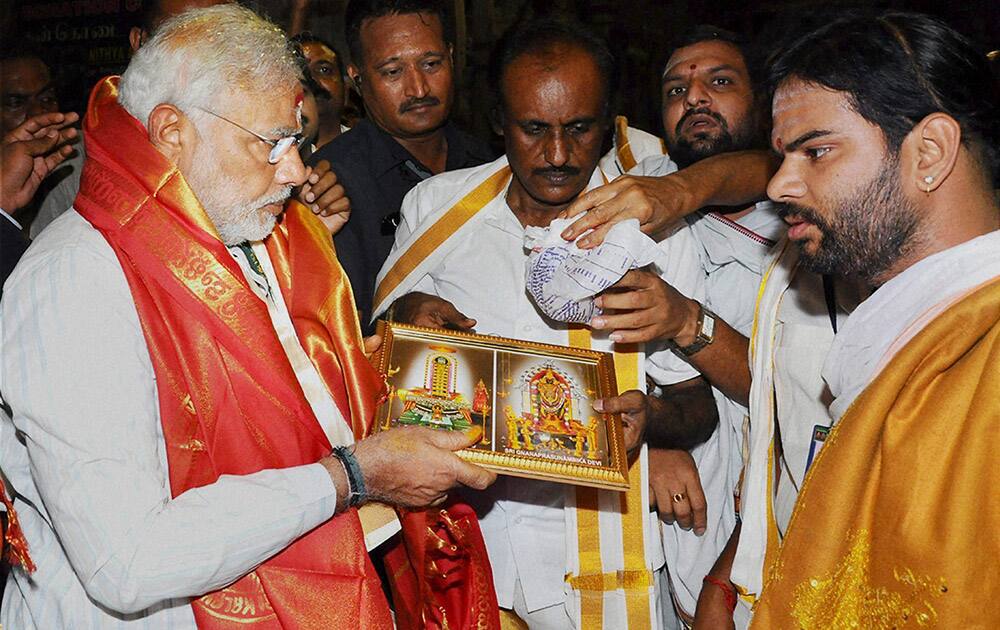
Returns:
<point x="354" y="75"/>
<point x="170" y="131"/>
<point x="931" y="150"/>
<point x="496" y="119"/>
<point x="136" y="37"/>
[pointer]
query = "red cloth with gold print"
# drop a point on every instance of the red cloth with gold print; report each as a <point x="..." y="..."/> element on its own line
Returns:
<point x="229" y="400"/>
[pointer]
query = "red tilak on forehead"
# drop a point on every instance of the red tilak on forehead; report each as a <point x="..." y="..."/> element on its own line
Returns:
<point x="693" y="66"/>
<point x="299" y="98"/>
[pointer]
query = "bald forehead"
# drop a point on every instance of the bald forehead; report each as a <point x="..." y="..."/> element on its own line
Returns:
<point x="555" y="58"/>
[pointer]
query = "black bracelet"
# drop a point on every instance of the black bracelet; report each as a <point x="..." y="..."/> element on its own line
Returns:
<point x="357" y="492"/>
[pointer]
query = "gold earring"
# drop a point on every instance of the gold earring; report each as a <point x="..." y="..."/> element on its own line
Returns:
<point x="928" y="180"/>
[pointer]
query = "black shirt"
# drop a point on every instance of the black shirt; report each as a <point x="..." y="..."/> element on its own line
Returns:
<point x="377" y="172"/>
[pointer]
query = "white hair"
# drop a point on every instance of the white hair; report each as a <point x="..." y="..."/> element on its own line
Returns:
<point x="203" y="55"/>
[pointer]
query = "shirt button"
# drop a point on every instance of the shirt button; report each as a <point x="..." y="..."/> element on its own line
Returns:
<point x="526" y="328"/>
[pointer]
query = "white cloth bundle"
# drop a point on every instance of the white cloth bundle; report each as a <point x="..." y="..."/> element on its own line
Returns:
<point x="563" y="279"/>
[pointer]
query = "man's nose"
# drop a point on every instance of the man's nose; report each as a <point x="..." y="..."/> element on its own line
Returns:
<point x="556" y="149"/>
<point x="697" y="95"/>
<point x="416" y="84"/>
<point x="786" y="186"/>
<point x="291" y="171"/>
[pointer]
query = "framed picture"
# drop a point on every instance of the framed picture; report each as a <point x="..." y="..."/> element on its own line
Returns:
<point x="533" y="401"/>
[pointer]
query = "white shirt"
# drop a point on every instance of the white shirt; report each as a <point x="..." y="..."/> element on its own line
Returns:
<point x="89" y="465"/>
<point x="642" y="145"/>
<point x="731" y="256"/>
<point x="788" y="397"/>
<point x="803" y="334"/>
<point x="522" y="521"/>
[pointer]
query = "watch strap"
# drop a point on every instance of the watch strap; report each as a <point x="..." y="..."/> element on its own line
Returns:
<point x="704" y="336"/>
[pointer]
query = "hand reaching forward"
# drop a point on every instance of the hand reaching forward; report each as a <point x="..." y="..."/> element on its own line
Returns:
<point x="415" y="467"/>
<point x="25" y="163"/>
<point x="430" y="311"/>
<point x="325" y="197"/>
<point x="656" y="201"/>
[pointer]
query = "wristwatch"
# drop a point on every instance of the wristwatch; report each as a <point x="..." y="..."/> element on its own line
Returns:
<point x="704" y="336"/>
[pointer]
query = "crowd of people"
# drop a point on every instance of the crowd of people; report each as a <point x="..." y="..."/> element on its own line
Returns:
<point x="807" y="370"/>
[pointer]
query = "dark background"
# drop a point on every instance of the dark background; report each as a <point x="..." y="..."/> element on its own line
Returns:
<point x="86" y="39"/>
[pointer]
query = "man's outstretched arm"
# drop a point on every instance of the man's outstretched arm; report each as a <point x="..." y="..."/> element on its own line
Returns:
<point x="728" y="179"/>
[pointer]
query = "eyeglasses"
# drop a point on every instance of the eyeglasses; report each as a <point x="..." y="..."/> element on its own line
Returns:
<point x="279" y="147"/>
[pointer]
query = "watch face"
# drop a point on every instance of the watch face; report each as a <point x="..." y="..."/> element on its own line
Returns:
<point x="708" y="326"/>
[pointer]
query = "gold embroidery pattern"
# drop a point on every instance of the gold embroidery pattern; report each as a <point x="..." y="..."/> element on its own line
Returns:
<point x="238" y="603"/>
<point x="848" y="599"/>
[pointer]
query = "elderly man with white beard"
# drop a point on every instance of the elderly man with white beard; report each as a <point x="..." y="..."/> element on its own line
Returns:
<point x="189" y="385"/>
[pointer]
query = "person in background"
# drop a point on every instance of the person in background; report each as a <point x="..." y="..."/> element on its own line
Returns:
<point x="325" y="68"/>
<point x="554" y="83"/>
<point x="401" y="63"/>
<point x="27" y="89"/>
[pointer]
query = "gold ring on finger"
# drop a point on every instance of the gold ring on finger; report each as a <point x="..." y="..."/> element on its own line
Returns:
<point x="678" y="497"/>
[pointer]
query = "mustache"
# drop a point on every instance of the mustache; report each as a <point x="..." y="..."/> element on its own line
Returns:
<point x="413" y="103"/>
<point x="804" y="212"/>
<point x="568" y="170"/>
<point x="700" y="111"/>
<point x="278" y="197"/>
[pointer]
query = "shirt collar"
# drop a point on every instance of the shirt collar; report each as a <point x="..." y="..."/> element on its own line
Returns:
<point x="389" y="154"/>
<point x="11" y="219"/>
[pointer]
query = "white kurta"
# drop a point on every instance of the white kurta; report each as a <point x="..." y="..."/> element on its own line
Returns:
<point x="641" y="144"/>
<point x="732" y="255"/>
<point x="86" y="455"/>
<point x="522" y="521"/>
<point x="788" y="397"/>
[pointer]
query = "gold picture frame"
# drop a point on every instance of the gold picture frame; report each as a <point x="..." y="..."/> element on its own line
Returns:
<point x="533" y="400"/>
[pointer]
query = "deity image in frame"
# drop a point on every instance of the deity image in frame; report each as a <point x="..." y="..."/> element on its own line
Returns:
<point x="534" y="402"/>
<point x="547" y="410"/>
<point x="441" y="386"/>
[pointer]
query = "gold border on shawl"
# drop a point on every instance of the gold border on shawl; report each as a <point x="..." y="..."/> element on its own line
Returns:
<point x="635" y="579"/>
<point x="625" y="155"/>
<point x="449" y="223"/>
<point x="637" y="602"/>
<point x="588" y="529"/>
<point x="760" y="296"/>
